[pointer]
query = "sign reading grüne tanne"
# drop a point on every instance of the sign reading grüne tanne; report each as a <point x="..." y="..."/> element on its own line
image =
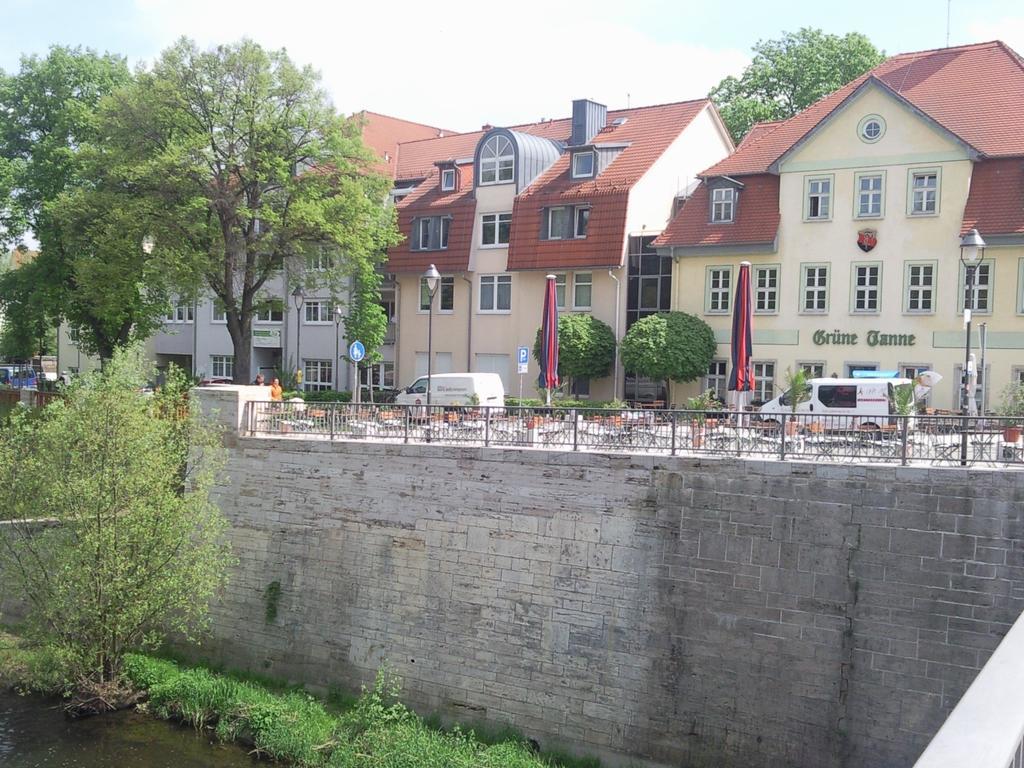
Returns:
<point x="874" y="339"/>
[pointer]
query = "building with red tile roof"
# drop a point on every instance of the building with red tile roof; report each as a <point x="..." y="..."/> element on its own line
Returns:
<point x="851" y="214"/>
<point x="384" y="134"/>
<point x="498" y="209"/>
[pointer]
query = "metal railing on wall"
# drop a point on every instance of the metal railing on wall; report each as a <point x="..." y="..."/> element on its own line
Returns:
<point x="936" y="440"/>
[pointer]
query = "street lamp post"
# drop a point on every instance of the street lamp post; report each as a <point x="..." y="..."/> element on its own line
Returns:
<point x="972" y="249"/>
<point x="337" y="350"/>
<point x="299" y="298"/>
<point x="432" y="276"/>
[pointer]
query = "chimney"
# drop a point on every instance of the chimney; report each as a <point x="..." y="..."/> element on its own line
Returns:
<point x="588" y="118"/>
<point x="486" y="127"/>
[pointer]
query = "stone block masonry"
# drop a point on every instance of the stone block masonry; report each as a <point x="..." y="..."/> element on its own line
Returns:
<point x="692" y="612"/>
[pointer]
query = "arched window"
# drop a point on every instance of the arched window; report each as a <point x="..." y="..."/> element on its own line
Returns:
<point x="497" y="159"/>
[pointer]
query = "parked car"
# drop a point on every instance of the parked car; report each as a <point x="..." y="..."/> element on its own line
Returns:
<point x="18" y="376"/>
<point x="842" y="403"/>
<point x="455" y="389"/>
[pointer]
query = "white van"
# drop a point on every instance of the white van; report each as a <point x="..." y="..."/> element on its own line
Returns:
<point x="455" y="389"/>
<point x="866" y="402"/>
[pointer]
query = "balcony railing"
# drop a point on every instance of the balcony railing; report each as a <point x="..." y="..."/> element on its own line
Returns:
<point x="933" y="440"/>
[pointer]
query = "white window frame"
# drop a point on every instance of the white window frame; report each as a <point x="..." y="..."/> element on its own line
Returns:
<point x="225" y="364"/>
<point x="561" y="284"/>
<point x="494" y="281"/>
<point x="258" y="316"/>
<point x="723" y="201"/>
<point x="578" y="213"/>
<point x="181" y="314"/>
<point x="551" y="219"/>
<point x="766" y="292"/>
<point x="862" y="128"/>
<point x="223" y="318"/>
<point x="854" y="288"/>
<point x="719" y="382"/>
<point x="1020" y="286"/>
<point x="912" y="175"/>
<point x="711" y="292"/>
<point x="424" y="231"/>
<point x="447" y="179"/>
<point x="908" y="288"/>
<point x="761" y="391"/>
<point x="325" y="311"/>
<point x="495" y="220"/>
<point x="990" y="266"/>
<point x="810" y="192"/>
<point x="815" y="369"/>
<point x="858" y="194"/>
<point x="445" y="280"/>
<point x="321" y="261"/>
<point x="578" y="283"/>
<point x="500" y="164"/>
<point x="576" y="156"/>
<point x="804" y="288"/>
<point x="317" y="383"/>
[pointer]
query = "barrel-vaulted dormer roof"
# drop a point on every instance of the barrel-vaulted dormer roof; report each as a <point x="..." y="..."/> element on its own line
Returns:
<point x="504" y="156"/>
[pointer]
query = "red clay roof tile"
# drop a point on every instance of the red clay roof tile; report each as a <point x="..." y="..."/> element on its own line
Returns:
<point x="995" y="204"/>
<point x="647" y="132"/>
<point x="383" y="134"/>
<point x="757" y="217"/>
<point x="428" y="200"/>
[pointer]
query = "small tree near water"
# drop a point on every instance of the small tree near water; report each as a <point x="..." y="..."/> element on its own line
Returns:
<point x="109" y="535"/>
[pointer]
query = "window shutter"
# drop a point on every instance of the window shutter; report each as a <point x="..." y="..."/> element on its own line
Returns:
<point x="414" y="241"/>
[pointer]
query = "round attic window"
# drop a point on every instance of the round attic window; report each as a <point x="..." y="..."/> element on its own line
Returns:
<point x="871" y="128"/>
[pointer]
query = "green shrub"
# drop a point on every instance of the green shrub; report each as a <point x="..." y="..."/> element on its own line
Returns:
<point x="145" y="672"/>
<point x="328" y="396"/>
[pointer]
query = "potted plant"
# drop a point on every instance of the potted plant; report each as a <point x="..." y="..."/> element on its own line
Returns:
<point x="796" y="393"/>
<point x="699" y="405"/>
<point x="1012" y="408"/>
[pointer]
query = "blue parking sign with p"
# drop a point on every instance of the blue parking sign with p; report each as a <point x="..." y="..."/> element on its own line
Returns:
<point x="524" y="359"/>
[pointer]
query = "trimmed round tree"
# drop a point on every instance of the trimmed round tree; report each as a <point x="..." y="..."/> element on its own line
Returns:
<point x="669" y="346"/>
<point x="586" y="347"/>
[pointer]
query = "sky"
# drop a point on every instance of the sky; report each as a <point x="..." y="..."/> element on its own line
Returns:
<point x="458" y="64"/>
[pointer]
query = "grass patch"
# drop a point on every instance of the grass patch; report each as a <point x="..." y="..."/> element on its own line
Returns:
<point x="374" y="730"/>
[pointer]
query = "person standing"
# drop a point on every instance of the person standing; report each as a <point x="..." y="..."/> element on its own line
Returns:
<point x="276" y="391"/>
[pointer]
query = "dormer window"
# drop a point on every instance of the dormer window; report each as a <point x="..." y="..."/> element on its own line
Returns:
<point x="448" y="180"/>
<point x="497" y="161"/>
<point x="723" y="204"/>
<point x="582" y="165"/>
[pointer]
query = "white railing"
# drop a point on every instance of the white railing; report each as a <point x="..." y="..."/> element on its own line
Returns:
<point x="986" y="729"/>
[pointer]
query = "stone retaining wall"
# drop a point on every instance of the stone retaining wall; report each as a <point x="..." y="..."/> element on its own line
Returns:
<point x="697" y="612"/>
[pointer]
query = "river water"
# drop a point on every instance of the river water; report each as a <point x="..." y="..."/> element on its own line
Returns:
<point x="35" y="734"/>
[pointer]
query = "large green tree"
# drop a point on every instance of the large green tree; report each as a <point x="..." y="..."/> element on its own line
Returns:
<point x="365" y="319"/>
<point x="244" y="165"/>
<point x="789" y="74"/>
<point x="49" y="109"/>
<point x="110" y="534"/>
<point x="586" y="347"/>
<point x="669" y="346"/>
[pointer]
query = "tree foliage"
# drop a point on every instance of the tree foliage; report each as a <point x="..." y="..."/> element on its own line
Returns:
<point x="366" y="320"/>
<point x="586" y="347"/>
<point x="50" y="107"/>
<point x="25" y="330"/>
<point x="243" y="164"/>
<point x="112" y="537"/>
<point x="789" y="74"/>
<point x="669" y="345"/>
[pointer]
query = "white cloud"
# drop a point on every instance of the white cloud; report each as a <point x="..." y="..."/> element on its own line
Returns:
<point x="459" y="64"/>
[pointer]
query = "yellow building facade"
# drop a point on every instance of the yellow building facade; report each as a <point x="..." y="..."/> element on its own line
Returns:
<point x="864" y="268"/>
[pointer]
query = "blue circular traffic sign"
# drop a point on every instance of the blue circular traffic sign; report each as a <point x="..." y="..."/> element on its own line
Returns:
<point x="356" y="351"/>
